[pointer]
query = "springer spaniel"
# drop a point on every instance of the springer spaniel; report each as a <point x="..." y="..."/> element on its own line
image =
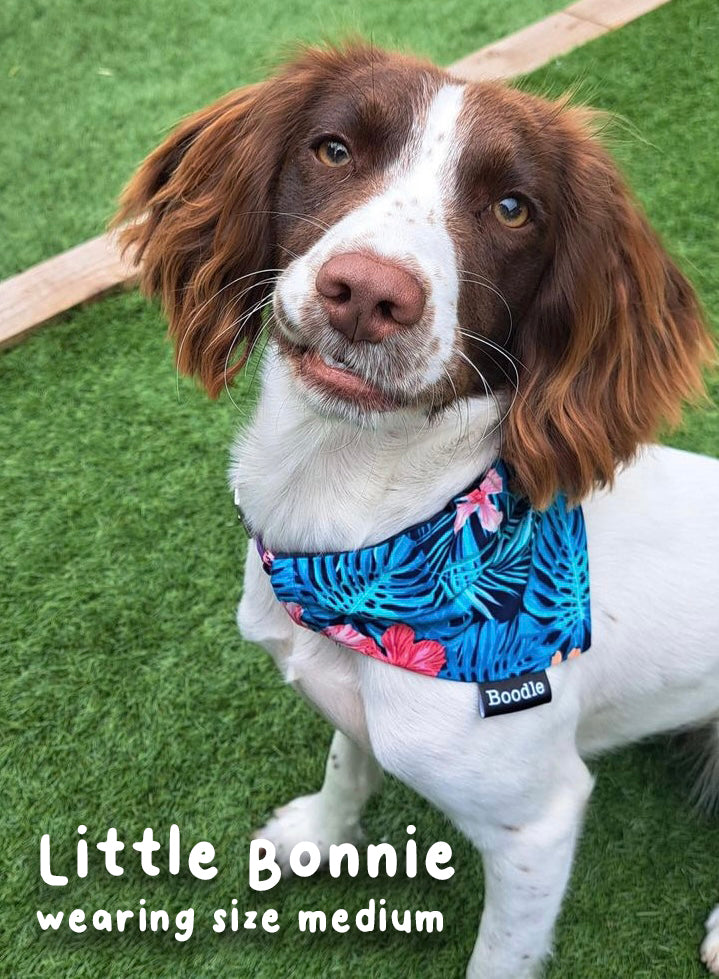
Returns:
<point x="450" y="276"/>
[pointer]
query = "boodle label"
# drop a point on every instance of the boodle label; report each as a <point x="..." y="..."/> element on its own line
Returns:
<point x="518" y="693"/>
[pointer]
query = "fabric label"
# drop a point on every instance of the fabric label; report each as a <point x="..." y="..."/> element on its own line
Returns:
<point x="518" y="693"/>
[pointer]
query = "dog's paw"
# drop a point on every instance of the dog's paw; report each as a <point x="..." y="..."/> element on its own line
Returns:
<point x="307" y="819"/>
<point x="710" y="945"/>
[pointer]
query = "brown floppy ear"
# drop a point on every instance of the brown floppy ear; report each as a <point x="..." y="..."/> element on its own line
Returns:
<point x="203" y="212"/>
<point x="201" y="230"/>
<point x="614" y="342"/>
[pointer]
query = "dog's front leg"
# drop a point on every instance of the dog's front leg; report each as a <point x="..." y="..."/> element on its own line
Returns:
<point x="333" y="814"/>
<point x="324" y="674"/>
<point x="514" y="785"/>
<point x="710" y="945"/>
<point x="526" y="869"/>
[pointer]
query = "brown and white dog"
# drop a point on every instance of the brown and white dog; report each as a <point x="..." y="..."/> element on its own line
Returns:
<point x="453" y="272"/>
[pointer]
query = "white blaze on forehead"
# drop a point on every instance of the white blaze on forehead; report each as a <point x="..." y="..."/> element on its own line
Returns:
<point x="432" y="152"/>
<point x="406" y="221"/>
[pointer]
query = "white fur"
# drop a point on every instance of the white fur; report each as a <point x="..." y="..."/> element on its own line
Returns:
<point x="710" y="945"/>
<point x="519" y="784"/>
<point x="405" y="222"/>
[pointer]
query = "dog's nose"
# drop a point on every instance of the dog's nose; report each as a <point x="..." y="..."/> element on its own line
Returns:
<point x="368" y="298"/>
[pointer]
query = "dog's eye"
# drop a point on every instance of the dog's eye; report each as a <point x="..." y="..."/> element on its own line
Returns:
<point x="333" y="153"/>
<point x="512" y="212"/>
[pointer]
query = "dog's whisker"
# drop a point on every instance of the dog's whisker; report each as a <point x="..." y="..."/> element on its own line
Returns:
<point x="501" y="417"/>
<point x="514" y="381"/>
<point x="356" y="437"/>
<point x="232" y="326"/>
<point x="315" y="222"/>
<point x="243" y="320"/>
<point x="270" y="280"/>
<point x="428" y="414"/>
<point x="289" y="251"/>
<point x="234" y="301"/>
<point x="267" y="334"/>
<point x="498" y="347"/>
<point x="472" y="277"/>
<point x="489" y="393"/>
<point x="456" y="404"/>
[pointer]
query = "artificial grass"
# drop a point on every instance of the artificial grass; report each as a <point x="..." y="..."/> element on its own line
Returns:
<point x="88" y="88"/>
<point x="127" y="696"/>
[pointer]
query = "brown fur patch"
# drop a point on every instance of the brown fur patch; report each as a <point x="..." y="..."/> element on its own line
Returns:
<point x="605" y="332"/>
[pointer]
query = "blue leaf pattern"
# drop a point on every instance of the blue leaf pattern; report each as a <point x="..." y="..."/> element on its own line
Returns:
<point x="502" y="601"/>
<point x="557" y="593"/>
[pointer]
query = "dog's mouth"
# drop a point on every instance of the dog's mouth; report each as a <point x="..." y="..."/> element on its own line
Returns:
<point x="331" y="377"/>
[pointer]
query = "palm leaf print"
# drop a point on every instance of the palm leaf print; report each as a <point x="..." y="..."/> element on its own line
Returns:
<point x="496" y="650"/>
<point x="557" y="593"/>
<point x="496" y="588"/>
<point x="488" y="570"/>
<point x="376" y="582"/>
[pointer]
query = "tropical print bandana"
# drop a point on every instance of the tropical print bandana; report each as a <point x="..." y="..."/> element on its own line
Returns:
<point x="485" y="590"/>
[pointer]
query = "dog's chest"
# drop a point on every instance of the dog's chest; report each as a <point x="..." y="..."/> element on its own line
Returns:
<point x="327" y="497"/>
<point x="302" y="505"/>
<point x="305" y="485"/>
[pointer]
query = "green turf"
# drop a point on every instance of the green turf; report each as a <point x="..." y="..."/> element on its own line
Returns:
<point x="88" y="87"/>
<point x="127" y="697"/>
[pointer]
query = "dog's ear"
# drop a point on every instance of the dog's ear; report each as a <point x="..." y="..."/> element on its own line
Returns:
<point x="614" y="342"/>
<point x="201" y="212"/>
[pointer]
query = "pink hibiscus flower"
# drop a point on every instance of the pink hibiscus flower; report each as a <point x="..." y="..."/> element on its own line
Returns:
<point x="295" y="612"/>
<point x="423" y="656"/>
<point x="347" y="636"/>
<point x="489" y="516"/>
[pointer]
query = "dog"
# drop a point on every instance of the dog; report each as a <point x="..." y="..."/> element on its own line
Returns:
<point x="447" y="274"/>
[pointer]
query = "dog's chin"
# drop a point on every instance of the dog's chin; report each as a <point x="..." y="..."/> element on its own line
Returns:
<point x="335" y="389"/>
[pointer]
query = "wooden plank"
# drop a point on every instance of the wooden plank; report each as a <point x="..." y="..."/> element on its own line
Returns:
<point x="550" y="38"/>
<point x="612" y="13"/>
<point x="528" y="49"/>
<point x="88" y="271"/>
<point x="44" y="291"/>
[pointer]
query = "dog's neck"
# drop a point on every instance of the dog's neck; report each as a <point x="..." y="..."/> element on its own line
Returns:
<point x="307" y="482"/>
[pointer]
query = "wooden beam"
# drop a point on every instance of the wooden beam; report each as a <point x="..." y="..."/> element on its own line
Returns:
<point x="88" y="271"/>
<point x="44" y="291"/>
<point x="528" y="49"/>
<point x="556" y="35"/>
<point x="612" y="13"/>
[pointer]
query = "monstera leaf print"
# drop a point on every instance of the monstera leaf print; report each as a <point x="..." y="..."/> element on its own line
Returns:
<point x="473" y="598"/>
<point x="488" y="569"/>
<point x="557" y="593"/>
<point x="495" y="650"/>
<point x="375" y="582"/>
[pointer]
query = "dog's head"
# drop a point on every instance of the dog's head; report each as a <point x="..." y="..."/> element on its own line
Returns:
<point x="422" y="240"/>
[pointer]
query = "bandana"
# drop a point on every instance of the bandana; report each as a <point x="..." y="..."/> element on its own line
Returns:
<point x="486" y="590"/>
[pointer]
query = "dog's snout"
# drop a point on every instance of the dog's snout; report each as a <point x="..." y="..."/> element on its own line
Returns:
<point x="367" y="298"/>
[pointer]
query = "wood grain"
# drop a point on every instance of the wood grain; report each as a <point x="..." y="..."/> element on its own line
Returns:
<point x="528" y="49"/>
<point x="550" y="38"/>
<point x="44" y="291"/>
<point x="612" y="13"/>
